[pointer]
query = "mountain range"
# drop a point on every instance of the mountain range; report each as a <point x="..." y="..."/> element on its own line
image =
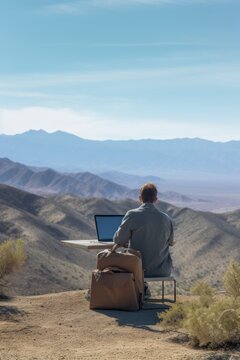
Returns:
<point x="205" y="242"/>
<point x="48" y="181"/>
<point x="67" y="152"/>
<point x="130" y="180"/>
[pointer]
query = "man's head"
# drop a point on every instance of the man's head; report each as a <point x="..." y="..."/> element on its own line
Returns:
<point x="148" y="193"/>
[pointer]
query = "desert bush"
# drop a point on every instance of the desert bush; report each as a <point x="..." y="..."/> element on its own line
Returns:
<point x="232" y="279"/>
<point x="12" y="257"/>
<point x="177" y="315"/>
<point x="204" y="291"/>
<point x="214" y="325"/>
<point x="210" y="321"/>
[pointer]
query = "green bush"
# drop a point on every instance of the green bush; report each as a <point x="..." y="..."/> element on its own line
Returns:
<point x="12" y="257"/>
<point x="209" y="320"/>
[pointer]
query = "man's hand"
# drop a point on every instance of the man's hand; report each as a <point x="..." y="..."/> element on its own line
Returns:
<point x="115" y="246"/>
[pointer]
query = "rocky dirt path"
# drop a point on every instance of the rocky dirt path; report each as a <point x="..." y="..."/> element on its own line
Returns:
<point x="61" y="327"/>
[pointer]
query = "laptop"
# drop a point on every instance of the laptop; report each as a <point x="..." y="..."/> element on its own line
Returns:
<point x="106" y="226"/>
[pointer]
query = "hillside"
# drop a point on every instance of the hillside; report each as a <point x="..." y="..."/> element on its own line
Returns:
<point x="205" y="242"/>
<point x="130" y="180"/>
<point x="68" y="152"/>
<point x="85" y="184"/>
<point x="48" y="181"/>
<point x="50" y="266"/>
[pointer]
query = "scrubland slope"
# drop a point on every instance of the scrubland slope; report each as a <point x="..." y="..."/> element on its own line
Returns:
<point x="205" y="242"/>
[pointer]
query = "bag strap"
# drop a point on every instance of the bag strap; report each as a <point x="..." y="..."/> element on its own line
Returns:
<point x="125" y="251"/>
<point x="114" y="248"/>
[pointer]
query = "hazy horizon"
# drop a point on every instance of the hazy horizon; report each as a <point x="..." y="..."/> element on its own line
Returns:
<point x="108" y="139"/>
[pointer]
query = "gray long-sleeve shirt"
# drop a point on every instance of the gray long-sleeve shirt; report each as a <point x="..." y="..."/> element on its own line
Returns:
<point x="151" y="232"/>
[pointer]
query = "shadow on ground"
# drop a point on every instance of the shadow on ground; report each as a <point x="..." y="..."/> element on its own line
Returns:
<point x="9" y="313"/>
<point x="142" y="319"/>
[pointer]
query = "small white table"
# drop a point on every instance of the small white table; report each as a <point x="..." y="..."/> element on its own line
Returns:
<point x="92" y="244"/>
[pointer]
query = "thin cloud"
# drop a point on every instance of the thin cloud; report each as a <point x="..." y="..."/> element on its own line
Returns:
<point x="150" y="44"/>
<point x="39" y="95"/>
<point x="80" y="7"/>
<point x="227" y="75"/>
<point x="143" y="44"/>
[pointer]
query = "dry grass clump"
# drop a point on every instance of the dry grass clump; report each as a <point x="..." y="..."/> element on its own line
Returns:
<point x="209" y="320"/>
<point x="12" y="257"/>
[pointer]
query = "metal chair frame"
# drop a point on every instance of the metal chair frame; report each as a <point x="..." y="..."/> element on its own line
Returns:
<point x="162" y="280"/>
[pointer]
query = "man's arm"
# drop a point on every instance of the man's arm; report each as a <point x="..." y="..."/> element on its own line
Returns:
<point x="123" y="234"/>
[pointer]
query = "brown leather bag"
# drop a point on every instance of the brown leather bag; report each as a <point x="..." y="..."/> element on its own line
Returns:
<point x="118" y="281"/>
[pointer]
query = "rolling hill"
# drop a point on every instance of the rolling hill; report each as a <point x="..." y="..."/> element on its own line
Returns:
<point x="205" y="242"/>
<point x="130" y="180"/>
<point x="85" y="185"/>
<point x="48" y="181"/>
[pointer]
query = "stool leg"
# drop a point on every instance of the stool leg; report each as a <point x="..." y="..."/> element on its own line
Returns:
<point x="163" y="291"/>
<point x="175" y="291"/>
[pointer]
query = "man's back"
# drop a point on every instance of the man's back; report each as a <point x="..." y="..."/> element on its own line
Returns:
<point x="150" y="231"/>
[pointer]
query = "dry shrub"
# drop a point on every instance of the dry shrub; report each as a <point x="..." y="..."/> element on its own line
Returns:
<point x="215" y="325"/>
<point x="204" y="291"/>
<point x="232" y="279"/>
<point x="177" y="315"/>
<point x="210" y="321"/>
<point x="12" y="257"/>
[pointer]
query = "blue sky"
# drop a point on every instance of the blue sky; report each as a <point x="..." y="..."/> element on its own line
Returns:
<point x="121" y="69"/>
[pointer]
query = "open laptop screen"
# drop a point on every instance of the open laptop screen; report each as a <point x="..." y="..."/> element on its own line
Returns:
<point x="107" y="225"/>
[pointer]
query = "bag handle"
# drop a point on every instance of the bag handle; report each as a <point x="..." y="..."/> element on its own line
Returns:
<point x="114" y="248"/>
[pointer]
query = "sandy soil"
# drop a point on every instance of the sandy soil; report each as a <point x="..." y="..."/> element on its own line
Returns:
<point x="61" y="327"/>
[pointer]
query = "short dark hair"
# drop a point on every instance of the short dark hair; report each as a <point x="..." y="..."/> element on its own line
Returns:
<point x="148" y="193"/>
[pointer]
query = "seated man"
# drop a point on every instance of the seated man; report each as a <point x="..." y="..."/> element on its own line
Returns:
<point x="150" y="231"/>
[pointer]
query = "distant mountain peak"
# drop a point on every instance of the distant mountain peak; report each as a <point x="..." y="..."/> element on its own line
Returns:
<point x="67" y="152"/>
<point x="33" y="131"/>
<point x="41" y="132"/>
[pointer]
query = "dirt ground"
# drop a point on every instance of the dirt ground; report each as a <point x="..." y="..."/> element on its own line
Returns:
<point x="61" y="327"/>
